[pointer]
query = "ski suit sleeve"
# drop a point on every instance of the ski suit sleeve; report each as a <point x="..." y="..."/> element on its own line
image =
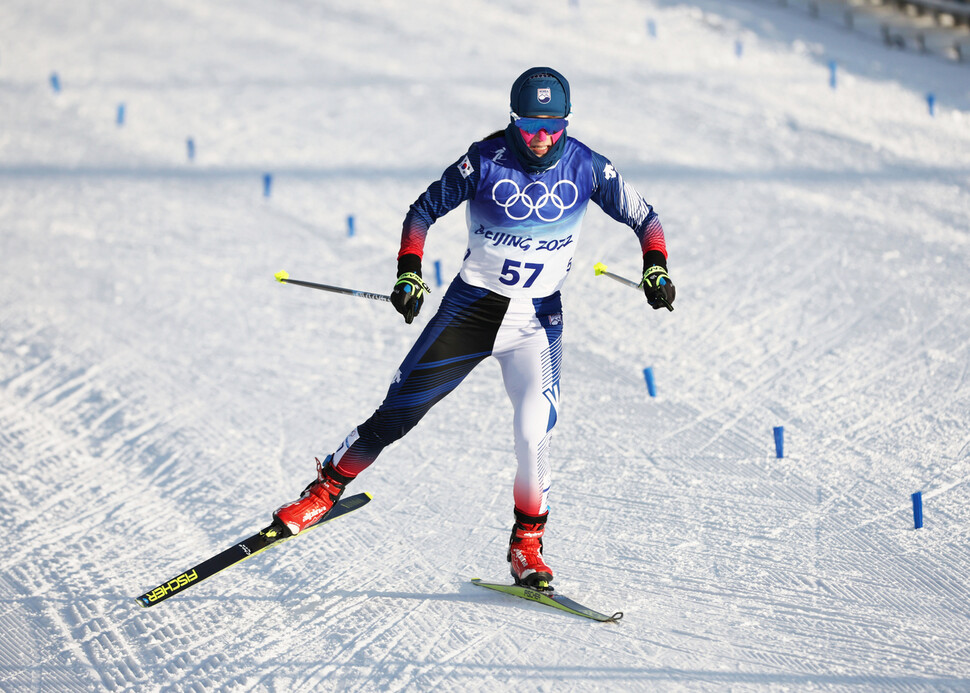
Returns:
<point x="622" y="202"/>
<point x="456" y="185"/>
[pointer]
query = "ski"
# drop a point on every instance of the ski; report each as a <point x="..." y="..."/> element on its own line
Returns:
<point x="549" y="598"/>
<point x="261" y="541"/>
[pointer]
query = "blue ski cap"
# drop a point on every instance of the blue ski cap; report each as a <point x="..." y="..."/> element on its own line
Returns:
<point x="540" y="91"/>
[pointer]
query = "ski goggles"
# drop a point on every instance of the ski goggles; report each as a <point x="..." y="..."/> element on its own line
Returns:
<point x="534" y="125"/>
<point x="530" y="127"/>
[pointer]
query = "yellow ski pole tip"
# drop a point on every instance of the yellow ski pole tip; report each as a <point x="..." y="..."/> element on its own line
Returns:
<point x="599" y="268"/>
<point x="281" y="276"/>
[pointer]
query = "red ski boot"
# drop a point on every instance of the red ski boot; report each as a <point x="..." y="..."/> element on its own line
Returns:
<point x="525" y="551"/>
<point x="316" y="499"/>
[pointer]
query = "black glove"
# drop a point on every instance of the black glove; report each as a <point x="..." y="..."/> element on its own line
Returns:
<point x="657" y="287"/>
<point x="408" y="294"/>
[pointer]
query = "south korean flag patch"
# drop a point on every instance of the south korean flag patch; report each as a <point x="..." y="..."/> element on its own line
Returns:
<point x="466" y="168"/>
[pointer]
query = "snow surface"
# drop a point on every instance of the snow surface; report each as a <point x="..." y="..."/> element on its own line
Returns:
<point x="160" y="394"/>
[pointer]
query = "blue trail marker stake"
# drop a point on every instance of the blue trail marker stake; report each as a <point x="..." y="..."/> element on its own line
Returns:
<point x="120" y="118"/>
<point x="931" y="102"/>
<point x="350" y="225"/>
<point x="652" y="28"/>
<point x="55" y="82"/>
<point x="190" y="148"/>
<point x="437" y="272"/>
<point x="267" y="184"/>
<point x="779" y="441"/>
<point x="918" y="510"/>
<point x="648" y="376"/>
<point x="833" y="74"/>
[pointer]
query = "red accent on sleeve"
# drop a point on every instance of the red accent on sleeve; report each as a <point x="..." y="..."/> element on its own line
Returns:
<point x="653" y="237"/>
<point x="412" y="240"/>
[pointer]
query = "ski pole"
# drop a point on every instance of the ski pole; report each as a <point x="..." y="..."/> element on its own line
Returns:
<point x="600" y="268"/>
<point x="284" y="278"/>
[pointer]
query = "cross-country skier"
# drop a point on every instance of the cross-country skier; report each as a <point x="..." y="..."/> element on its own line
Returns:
<point x="527" y="188"/>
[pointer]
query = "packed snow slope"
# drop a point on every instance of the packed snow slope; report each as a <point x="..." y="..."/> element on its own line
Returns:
<point x="160" y="394"/>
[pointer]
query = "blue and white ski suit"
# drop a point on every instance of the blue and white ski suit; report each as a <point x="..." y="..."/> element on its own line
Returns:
<point x="522" y="232"/>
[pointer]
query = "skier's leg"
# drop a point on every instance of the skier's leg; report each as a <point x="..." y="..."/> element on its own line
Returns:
<point x="529" y="349"/>
<point x="457" y="338"/>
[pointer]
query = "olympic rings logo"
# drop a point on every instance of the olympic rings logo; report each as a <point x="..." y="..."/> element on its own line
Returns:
<point x="538" y="205"/>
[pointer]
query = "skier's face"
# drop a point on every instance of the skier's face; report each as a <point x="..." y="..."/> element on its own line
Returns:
<point x="540" y="143"/>
<point x="541" y="133"/>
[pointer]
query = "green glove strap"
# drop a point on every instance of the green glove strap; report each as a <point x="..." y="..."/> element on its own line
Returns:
<point x="653" y="275"/>
<point x="413" y="279"/>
